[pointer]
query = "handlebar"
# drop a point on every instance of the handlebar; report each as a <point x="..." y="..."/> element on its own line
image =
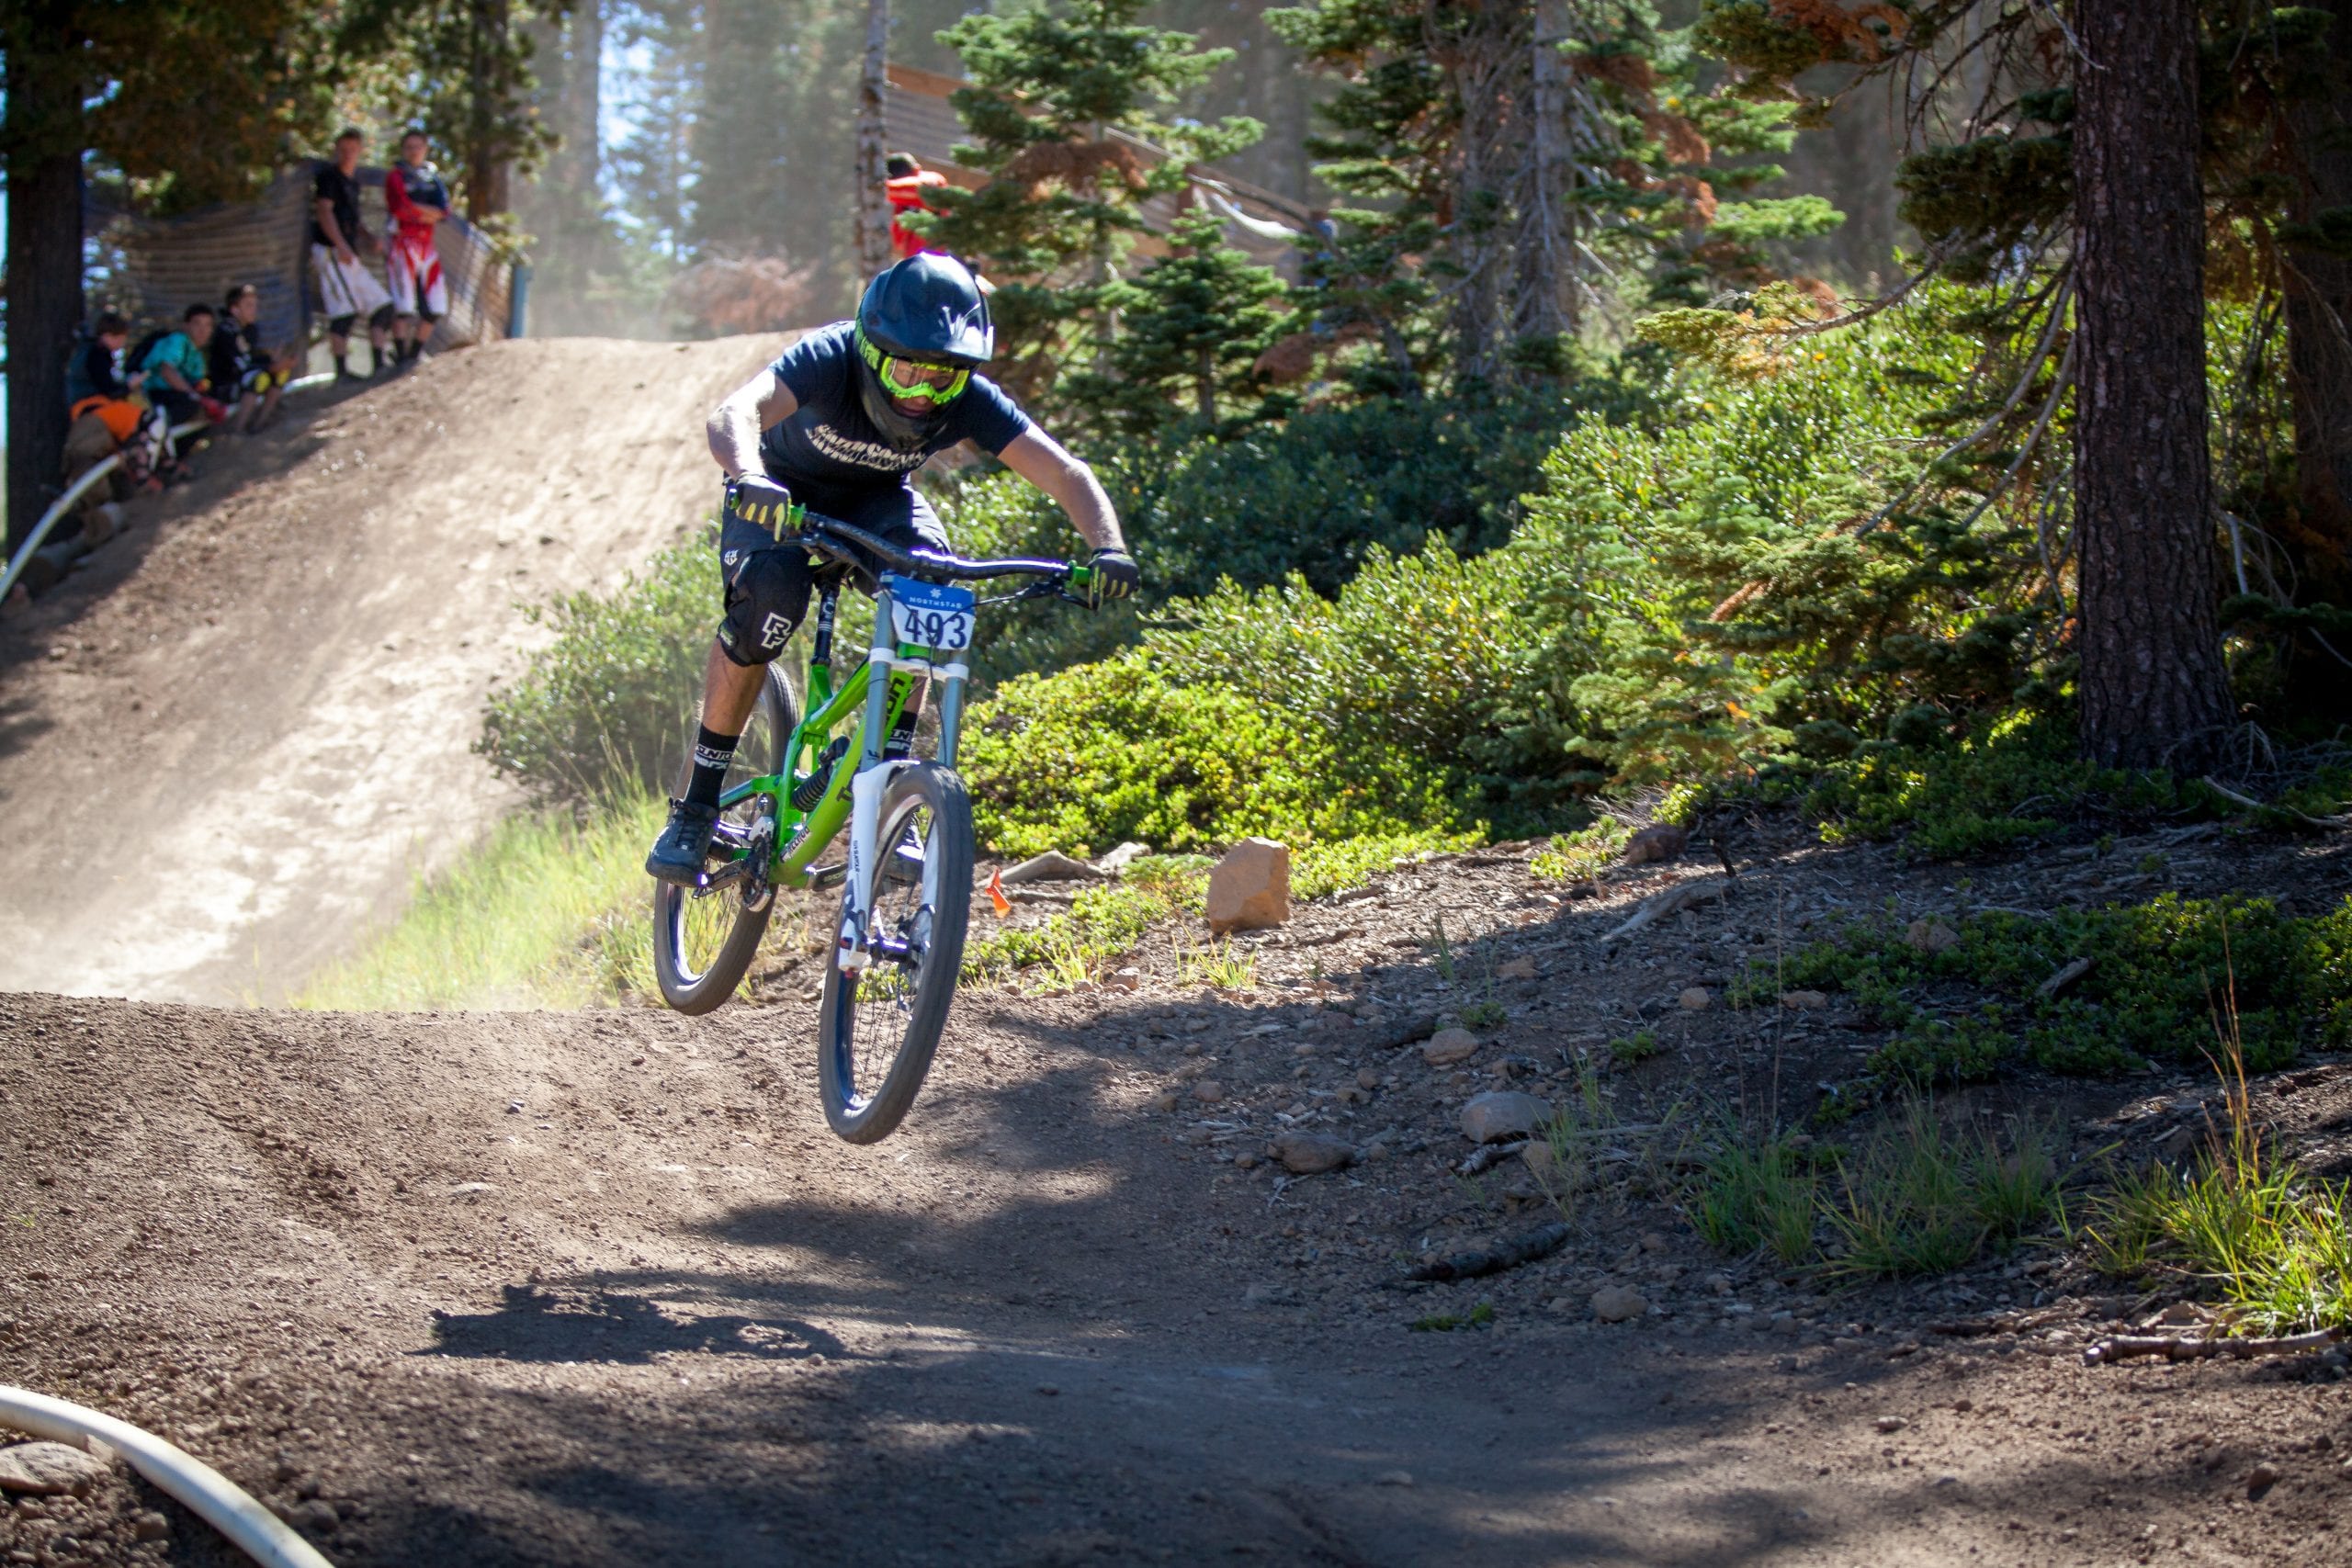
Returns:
<point x="831" y="537"/>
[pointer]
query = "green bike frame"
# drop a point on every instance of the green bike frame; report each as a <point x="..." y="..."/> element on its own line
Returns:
<point x="801" y="836"/>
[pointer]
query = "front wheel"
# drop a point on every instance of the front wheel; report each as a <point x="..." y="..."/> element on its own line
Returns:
<point x="704" y="939"/>
<point x="878" y="1028"/>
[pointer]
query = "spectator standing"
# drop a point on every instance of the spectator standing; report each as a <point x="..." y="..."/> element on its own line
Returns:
<point x="419" y="202"/>
<point x="346" y="288"/>
<point x="906" y="185"/>
<point x="245" y="375"/>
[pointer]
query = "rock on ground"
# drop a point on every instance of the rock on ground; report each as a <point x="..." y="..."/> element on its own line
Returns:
<point x="1502" y="1113"/>
<point x="1250" y="889"/>
<point x="49" y="1468"/>
<point x="1448" y="1047"/>
<point x="1309" y="1153"/>
<point x="1617" y="1303"/>
<point x="1657" y="842"/>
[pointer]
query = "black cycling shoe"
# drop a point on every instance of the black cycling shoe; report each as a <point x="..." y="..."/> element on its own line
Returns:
<point x="678" y="854"/>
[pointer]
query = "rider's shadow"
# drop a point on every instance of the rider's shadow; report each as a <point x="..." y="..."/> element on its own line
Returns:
<point x="540" y="1323"/>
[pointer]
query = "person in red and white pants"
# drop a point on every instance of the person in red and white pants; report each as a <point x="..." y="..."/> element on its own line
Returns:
<point x="418" y="202"/>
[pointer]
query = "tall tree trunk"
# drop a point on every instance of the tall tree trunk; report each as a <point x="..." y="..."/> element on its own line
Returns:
<point x="488" y="158"/>
<point x="580" y="108"/>
<point x="1546" y="249"/>
<point x="872" y="88"/>
<point x="2153" y="690"/>
<point x="40" y="141"/>
<point x="2319" y="325"/>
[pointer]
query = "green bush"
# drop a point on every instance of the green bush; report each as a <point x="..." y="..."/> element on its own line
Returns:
<point x="1717" y="584"/>
<point x="608" y="701"/>
<point x="1419" y="656"/>
<point x="2167" y="978"/>
<point x="1083" y="759"/>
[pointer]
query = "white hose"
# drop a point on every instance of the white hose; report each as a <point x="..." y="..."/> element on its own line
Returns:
<point x="249" y="1527"/>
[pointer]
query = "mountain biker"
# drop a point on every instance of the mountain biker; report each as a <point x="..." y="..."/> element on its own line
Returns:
<point x="840" y="422"/>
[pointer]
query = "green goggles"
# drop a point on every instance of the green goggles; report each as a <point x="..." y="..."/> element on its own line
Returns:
<point x="912" y="379"/>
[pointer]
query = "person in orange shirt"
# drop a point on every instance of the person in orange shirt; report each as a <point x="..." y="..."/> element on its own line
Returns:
<point x="907" y="181"/>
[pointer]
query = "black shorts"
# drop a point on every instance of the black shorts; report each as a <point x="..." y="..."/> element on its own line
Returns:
<point x="767" y="584"/>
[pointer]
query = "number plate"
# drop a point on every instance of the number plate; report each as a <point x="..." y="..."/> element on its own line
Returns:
<point x="931" y="615"/>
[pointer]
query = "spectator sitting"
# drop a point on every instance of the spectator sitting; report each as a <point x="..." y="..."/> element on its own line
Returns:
<point x="906" y="185"/>
<point x="95" y="387"/>
<point x="105" y="417"/>
<point x="245" y="375"/>
<point x="176" y="376"/>
<point x="345" y="286"/>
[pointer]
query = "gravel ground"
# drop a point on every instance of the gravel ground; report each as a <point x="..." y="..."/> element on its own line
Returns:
<point x="600" y="1288"/>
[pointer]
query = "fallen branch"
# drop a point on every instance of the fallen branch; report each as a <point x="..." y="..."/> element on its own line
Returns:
<point x="2324" y="824"/>
<point x="1490" y="1156"/>
<point x="1510" y="1254"/>
<point x="1673" y="901"/>
<point x="2184" y="1347"/>
<point x="2063" y="978"/>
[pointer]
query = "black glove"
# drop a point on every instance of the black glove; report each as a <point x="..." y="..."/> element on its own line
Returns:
<point x="759" y="500"/>
<point x="1115" y="576"/>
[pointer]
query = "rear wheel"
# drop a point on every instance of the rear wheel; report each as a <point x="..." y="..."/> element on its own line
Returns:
<point x="704" y="938"/>
<point x="878" y="1028"/>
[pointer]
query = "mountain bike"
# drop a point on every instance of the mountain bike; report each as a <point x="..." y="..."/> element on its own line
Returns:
<point x="798" y="781"/>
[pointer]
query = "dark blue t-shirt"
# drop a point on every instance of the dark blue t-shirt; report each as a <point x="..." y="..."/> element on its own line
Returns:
<point x="828" y="448"/>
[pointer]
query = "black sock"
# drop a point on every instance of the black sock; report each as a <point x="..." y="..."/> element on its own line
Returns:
<point x="713" y="753"/>
<point x="375" y="359"/>
<point x="343" y="365"/>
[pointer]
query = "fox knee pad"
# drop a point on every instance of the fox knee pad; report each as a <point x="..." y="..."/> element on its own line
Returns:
<point x="341" y="326"/>
<point x="767" y="593"/>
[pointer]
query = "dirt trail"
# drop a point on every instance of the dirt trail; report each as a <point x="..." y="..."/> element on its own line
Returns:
<point x="600" y="1289"/>
<point x="231" y="743"/>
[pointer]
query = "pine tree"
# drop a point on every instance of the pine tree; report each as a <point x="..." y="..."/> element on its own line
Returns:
<point x="461" y="70"/>
<point x="1060" y="100"/>
<point x="1520" y="152"/>
<point x="1192" y="325"/>
<point x="2104" y="228"/>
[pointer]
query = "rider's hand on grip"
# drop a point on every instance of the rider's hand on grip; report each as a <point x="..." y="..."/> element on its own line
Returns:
<point x="759" y="500"/>
<point x="1112" y="575"/>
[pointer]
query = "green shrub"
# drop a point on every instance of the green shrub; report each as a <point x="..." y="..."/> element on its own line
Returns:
<point x="1419" y="656"/>
<point x="1583" y="854"/>
<point x="608" y="703"/>
<point x="2164" y="975"/>
<point x="1712" y="583"/>
<point x="1083" y="759"/>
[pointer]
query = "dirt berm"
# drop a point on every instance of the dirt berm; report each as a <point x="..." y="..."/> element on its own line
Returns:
<point x="233" y="742"/>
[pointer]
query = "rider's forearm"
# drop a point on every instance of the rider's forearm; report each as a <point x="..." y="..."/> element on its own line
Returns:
<point x="734" y="435"/>
<point x="329" y="227"/>
<point x="1089" y="510"/>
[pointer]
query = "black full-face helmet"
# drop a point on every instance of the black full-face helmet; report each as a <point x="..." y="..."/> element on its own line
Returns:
<point x="927" y="310"/>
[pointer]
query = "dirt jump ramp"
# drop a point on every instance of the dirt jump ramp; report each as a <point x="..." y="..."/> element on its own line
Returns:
<point x="232" y="744"/>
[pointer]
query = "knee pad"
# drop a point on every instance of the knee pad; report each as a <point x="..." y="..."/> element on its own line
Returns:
<point x="341" y="326"/>
<point x="767" y="593"/>
<point x="425" y="318"/>
<point x="383" y="317"/>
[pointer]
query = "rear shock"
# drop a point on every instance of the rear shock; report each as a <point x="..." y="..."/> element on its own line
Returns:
<point x="810" y="790"/>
